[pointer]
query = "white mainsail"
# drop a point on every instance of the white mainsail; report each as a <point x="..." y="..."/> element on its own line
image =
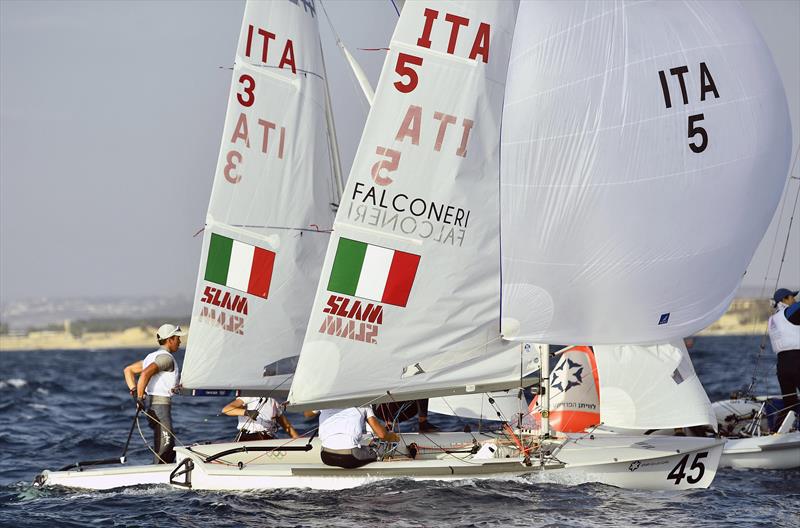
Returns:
<point x="265" y="233"/>
<point x="410" y="284"/>
<point x="645" y="147"/>
<point x="650" y="387"/>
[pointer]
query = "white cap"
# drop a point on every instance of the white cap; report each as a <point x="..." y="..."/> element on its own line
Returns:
<point x="167" y="330"/>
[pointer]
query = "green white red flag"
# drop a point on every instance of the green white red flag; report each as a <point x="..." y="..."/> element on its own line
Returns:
<point x="373" y="272"/>
<point x="240" y="266"/>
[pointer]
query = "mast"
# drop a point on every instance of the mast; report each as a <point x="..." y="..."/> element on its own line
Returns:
<point x="333" y="144"/>
<point x="544" y="361"/>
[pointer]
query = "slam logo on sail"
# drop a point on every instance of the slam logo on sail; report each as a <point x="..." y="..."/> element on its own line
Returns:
<point x="370" y="272"/>
<point x="238" y="266"/>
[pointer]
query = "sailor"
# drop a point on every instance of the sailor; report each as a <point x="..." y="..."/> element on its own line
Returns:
<point x="394" y="412"/>
<point x="258" y="418"/>
<point x="340" y="432"/>
<point x="784" y="334"/>
<point x="158" y="376"/>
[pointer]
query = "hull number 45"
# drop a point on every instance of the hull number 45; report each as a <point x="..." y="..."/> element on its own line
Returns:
<point x="678" y="473"/>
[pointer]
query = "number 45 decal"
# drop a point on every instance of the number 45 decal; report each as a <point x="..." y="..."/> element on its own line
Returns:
<point x="679" y="472"/>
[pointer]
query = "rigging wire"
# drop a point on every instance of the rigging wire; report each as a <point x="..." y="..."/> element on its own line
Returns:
<point x="763" y="344"/>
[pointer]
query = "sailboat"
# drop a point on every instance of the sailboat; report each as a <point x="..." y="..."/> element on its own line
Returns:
<point x="663" y="405"/>
<point x="267" y="226"/>
<point x="444" y="262"/>
<point x="748" y="441"/>
<point x="424" y="229"/>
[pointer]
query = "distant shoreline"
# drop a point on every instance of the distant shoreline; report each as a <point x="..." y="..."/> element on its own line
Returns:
<point x="136" y="337"/>
<point x="744" y="317"/>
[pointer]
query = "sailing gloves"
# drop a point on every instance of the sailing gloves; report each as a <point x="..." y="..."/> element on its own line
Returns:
<point x="251" y="413"/>
<point x="140" y="404"/>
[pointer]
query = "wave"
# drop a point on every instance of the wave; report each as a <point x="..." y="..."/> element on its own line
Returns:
<point x="16" y="383"/>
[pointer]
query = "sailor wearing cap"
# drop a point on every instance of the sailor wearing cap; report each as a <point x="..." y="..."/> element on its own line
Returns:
<point x="784" y="334"/>
<point x="158" y="376"/>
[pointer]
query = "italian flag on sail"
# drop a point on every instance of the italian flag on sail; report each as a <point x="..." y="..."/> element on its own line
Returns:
<point x="240" y="266"/>
<point x="372" y="272"/>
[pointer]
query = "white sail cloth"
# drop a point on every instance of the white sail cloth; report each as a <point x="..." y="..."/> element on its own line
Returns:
<point x="650" y="387"/>
<point x="645" y="146"/>
<point x="411" y="282"/>
<point x="262" y="250"/>
<point x="505" y="406"/>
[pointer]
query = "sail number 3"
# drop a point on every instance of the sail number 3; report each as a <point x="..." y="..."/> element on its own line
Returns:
<point x="257" y="48"/>
<point x="678" y="473"/>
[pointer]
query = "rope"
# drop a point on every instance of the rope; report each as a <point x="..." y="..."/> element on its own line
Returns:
<point x="763" y="345"/>
<point x="138" y="428"/>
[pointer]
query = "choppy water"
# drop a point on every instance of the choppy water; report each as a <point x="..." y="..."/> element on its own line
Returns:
<point x="60" y="407"/>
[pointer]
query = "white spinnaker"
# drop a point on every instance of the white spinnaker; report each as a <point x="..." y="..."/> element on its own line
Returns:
<point x="614" y="229"/>
<point x="650" y="387"/>
<point x="270" y="191"/>
<point x="425" y="183"/>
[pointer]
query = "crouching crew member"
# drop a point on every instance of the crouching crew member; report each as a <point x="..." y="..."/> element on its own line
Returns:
<point x="258" y="418"/>
<point x="340" y="432"/>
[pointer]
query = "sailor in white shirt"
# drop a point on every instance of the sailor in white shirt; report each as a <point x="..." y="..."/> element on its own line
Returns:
<point x="258" y="418"/>
<point x="784" y="336"/>
<point x="158" y="376"/>
<point x="340" y="432"/>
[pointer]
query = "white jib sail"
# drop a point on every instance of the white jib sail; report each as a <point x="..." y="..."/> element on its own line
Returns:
<point x="645" y="147"/>
<point x="411" y="283"/>
<point x="650" y="387"/>
<point x="262" y="251"/>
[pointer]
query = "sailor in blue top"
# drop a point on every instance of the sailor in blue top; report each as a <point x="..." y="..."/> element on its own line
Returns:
<point x="784" y="334"/>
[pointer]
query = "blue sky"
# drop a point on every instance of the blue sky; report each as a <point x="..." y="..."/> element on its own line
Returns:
<point x="110" y="122"/>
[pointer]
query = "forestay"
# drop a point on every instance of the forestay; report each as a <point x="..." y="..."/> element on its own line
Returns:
<point x="645" y="146"/>
<point x="650" y="387"/>
<point x="410" y="284"/>
<point x="262" y="247"/>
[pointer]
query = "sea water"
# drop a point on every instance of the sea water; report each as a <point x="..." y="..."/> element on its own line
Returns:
<point x="60" y="407"/>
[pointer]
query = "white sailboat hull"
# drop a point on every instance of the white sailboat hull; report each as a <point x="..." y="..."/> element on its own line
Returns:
<point x="320" y="477"/>
<point x="640" y="462"/>
<point x="107" y="478"/>
<point x="776" y="451"/>
<point x="624" y="461"/>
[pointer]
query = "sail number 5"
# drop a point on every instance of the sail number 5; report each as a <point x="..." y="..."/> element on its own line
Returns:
<point x="389" y="165"/>
<point x="697" y="148"/>
<point x="678" y="473"/>
<point x="404" y="69"/>
<point x="678" y="75"/>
